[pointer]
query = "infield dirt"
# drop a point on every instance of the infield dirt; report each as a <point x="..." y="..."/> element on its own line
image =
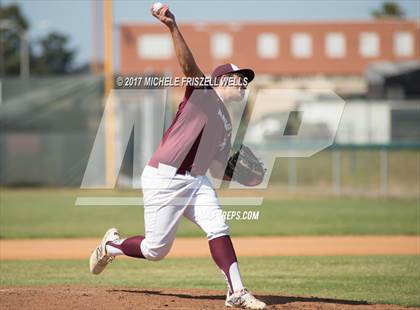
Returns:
<point x="73" y="297"/>
<point x="198" y="247"/>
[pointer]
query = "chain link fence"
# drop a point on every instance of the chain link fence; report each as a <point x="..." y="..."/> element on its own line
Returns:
<point x="48" y="127"/>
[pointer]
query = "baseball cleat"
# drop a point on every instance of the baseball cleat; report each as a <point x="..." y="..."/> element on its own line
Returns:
<point x="99" y="258"/>
<point x="243" y="299"/>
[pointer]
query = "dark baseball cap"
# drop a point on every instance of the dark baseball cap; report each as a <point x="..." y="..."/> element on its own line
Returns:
<point x="231" y="68"/>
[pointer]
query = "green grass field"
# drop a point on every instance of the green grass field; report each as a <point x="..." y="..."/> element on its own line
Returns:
<point x="375" y="279"/>
<point x="52" y="214"/>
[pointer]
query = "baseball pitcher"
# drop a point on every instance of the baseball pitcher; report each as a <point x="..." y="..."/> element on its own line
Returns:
<point x="174" y="182"/>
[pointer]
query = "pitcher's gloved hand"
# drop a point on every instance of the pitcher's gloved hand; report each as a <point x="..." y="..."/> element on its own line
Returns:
<point x="245" y="168"/>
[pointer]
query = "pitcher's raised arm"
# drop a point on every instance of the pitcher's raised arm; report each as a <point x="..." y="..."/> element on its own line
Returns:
<point x="183" y="53"/>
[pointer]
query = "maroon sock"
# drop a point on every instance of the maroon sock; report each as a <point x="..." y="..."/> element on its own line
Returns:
<point x="130" y="246"/>
<point x="224" y="256"/>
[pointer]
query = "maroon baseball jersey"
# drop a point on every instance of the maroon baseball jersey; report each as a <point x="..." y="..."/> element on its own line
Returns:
<point x="200" y="133"/>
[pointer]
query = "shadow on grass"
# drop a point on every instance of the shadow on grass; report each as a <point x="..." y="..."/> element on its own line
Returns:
<point x="268" y="299"/>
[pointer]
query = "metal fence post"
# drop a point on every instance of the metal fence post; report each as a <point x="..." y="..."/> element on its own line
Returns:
<point x="336" y="169"/>
<point x="384" y="171"/>
<point x="292" y="174"/>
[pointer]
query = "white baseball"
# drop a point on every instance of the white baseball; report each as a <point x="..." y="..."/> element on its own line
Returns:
<point x="157" y="6"/>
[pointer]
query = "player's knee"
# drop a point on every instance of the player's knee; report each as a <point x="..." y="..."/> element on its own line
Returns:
<point x="155" y="257"/>
<point x="157" y="253"/>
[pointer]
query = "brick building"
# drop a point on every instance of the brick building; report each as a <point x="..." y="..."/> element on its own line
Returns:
<point x="273" y="48"/>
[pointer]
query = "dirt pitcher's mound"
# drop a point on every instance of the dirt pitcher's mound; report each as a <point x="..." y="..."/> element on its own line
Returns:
<point x="73" y="297"/>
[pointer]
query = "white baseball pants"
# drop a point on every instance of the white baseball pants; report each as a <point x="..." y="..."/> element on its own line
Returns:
<point x="167" y="196"/>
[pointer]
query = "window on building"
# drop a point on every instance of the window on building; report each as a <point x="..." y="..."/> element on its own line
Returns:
<point x="301" y="45"/>
<point x="369" y="44"/>
<point x="267" y="45"/>
<point x="335" y="45"/>
<point x="221" y="45"/>
<point x="155" y="46"/>
<point x="403" y="44"/>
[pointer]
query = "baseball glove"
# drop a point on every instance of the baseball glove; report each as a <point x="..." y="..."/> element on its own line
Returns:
<point x="245" y="168"/>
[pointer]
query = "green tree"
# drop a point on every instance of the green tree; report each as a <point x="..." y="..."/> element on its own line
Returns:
<point x="55" y="56"/>
<point x="388" y="9"/>
<point x="12" y="23"/>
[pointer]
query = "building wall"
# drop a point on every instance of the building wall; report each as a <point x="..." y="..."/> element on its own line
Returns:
<point x="155" y="54"/>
